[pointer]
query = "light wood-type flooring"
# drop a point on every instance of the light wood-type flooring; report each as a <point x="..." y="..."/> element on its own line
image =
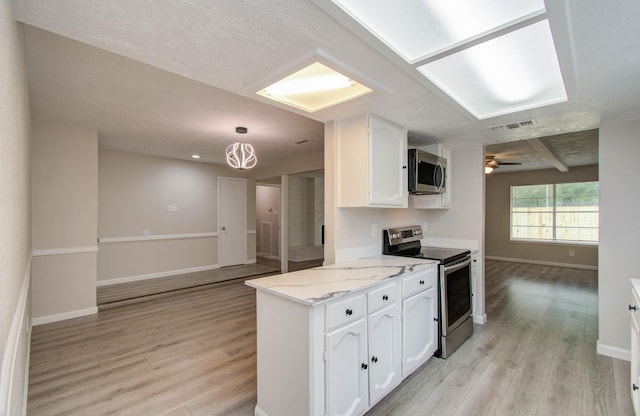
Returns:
<point x="193" y="353"/>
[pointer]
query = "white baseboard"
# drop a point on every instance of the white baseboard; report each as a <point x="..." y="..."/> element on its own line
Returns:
<point x="615" y="352"/>
<point x="268" y="256"/>
<point x="252" y="261"/>
<point x="64" y="316"/>
<point x="259" y="412"/>
<point x="544" y="263"/>
<point x="137" y="278"/>
<point x="19" y="336"/>
<point x="480" y="319"/>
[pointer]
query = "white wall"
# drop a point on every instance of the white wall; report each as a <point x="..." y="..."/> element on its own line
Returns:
<point x="619" y="233"/>
<point x="64" y="221"/>
<point x="15" y="221"/>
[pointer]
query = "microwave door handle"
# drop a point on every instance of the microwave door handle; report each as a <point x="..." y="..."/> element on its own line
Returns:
<point x="438" y="168"/>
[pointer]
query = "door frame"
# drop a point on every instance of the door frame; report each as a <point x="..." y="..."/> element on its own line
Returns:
<point x="244" y="217"/>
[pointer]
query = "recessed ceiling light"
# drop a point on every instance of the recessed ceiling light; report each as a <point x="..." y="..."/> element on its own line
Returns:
<point x="417" y="29"/>
<point x="195" y="156"/>
<point x="314" y="88"/>
<point x="493" y="57"/>
<point x="500" y="76"/>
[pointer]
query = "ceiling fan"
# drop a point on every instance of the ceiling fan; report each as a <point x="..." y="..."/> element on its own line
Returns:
<point x="492" y="163"/>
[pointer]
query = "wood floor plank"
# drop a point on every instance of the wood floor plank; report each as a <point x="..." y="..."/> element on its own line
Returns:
<point x="193" y="352"/>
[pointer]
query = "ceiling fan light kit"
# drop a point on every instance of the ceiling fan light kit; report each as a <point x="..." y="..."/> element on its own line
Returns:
<point x="241" y="155"/>
<point x="492" y="163"/>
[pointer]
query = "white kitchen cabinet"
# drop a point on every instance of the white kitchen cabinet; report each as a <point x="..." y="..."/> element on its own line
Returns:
<point x="439" y="201"/>
<point x="338" y="356"/>
<point x="384" y="338"/>
<point x="419" y="329"/>
<point x="347" y="370"/>
<point x="634" y="308"/>
<point x="419" y="319"/>
<point x="371" y="163"/>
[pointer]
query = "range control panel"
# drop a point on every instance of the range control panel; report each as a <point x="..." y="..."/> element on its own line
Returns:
<point x="404" y="234"/>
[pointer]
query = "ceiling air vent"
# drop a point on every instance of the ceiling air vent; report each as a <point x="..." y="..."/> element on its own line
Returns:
<point x="511" y="126"/>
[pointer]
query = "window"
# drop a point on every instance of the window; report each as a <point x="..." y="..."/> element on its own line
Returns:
<point x="564" y="212"/>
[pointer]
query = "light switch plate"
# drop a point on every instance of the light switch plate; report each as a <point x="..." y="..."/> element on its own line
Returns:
<point x="172" y="208"/>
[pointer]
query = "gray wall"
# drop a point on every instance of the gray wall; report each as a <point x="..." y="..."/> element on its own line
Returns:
<point x="65" y="221"/>
<point x="619" y="233"/>
<point x="497" y="219"/>
<point x="15" y="221"/>
<point x="139" y="236"/>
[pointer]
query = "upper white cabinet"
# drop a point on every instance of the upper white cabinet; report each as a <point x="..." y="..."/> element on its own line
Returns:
<point x="439" y="201"/>
<point x="371" y="162"/>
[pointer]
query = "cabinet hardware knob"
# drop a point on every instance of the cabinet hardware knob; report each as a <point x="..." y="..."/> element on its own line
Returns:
<point x="404" y="167"/>
<point x="348" y="312"/>
<point x="634" y="387"/>
<point x="385" y="297"/>
<point x="363" y="366"/>
<point x="435" y="319"/>
<point x="374" y="359"/>
<point x="421" y="282"/>
<point x="633" y="308"/>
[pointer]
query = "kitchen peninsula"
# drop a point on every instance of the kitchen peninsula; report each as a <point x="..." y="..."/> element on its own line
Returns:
<point x="336" y="339"/>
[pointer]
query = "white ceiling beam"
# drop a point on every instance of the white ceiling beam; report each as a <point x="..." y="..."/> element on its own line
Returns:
<point x="548" y="155"/>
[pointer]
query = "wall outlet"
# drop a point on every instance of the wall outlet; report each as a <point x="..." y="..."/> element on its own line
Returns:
<point x="374" y="230"/>
<point x="425" y="227"/>
<point x="572" y="253"/>
<point x="172" y="208"/>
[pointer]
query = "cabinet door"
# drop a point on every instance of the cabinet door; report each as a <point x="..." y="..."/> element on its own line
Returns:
<point x="419" y="329"/>
<point x="384" y="351"/>
<point x="387" y="164"/>
<point x="635" y="369"/>
<point x="347" y="370"/>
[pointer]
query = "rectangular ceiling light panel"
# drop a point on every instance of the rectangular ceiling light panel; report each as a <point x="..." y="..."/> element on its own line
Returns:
<point x="510" y="73"/>
<point x="418" y="29"/>
<point x="314" y="88"/>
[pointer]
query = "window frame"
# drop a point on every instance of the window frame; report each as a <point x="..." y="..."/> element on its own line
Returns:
<point x="554" y="213"/>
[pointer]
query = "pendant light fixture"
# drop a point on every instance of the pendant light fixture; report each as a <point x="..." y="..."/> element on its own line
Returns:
<point x="241" y="155"/>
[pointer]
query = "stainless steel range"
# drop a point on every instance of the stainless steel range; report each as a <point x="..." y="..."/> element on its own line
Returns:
<point x="455" y="312"/>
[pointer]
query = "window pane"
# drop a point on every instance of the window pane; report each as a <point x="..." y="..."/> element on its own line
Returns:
<point x="572" y="208"/>
<point x="577" y="211"/>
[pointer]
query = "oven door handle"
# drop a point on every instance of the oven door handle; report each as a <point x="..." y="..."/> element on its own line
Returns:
<point x="458" y="266"/>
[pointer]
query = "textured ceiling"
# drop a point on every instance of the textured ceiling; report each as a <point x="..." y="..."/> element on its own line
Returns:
<point x="571" y="149"/>
<point x="175" y="77"/>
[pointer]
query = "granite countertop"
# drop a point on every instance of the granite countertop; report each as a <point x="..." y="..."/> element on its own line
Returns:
<point x="321" y="284"/>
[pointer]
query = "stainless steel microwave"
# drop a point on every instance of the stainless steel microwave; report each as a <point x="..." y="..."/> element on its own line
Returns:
<point x="427" y="173"/>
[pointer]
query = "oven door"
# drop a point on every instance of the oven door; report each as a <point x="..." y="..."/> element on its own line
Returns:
<point x="455" y="288"/>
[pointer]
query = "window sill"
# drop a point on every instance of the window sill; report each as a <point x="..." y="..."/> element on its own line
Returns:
<point x="555" y="242"/>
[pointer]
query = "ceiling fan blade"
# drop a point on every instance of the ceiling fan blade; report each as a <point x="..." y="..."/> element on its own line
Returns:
<point x="509" y="163"/>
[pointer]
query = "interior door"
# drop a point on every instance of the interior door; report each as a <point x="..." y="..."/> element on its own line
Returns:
<point x="232" y="221"/>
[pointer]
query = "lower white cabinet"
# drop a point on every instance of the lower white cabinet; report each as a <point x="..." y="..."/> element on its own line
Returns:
<point x="634" y="308"/>
<point x="343" y="356"/>
<point x="384" y="351"/>
<point x="347" y="370"/>
<point x="419" y="328"/>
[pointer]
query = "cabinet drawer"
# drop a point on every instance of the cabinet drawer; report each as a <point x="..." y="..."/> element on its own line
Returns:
<point x="424" y="279"/>
<point x="379" y="298"/>
<point x="344" y="311"/>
